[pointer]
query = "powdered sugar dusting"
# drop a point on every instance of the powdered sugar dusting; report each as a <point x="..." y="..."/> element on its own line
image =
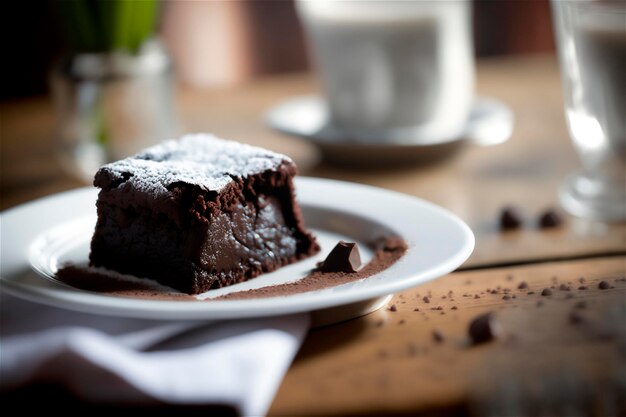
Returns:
<point x="198" y="159"/>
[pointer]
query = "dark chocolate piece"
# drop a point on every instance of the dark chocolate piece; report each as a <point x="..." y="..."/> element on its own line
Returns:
<point x="199" y="213"/>
<point x="549" y="219"/>
<point x="344" y="257"/>
<point x="483" y="328"/>
<point x="522" y="285"/>
<point x="510" y="218"/>
<point x="604" y="285"/>
<point x="438" y="336"/>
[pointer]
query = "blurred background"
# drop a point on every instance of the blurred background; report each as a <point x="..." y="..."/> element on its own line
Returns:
<point x="228" y="42"/>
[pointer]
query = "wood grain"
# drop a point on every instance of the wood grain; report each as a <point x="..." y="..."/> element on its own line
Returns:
<point x="475" y="183"/>
<point x="389" y="362"/>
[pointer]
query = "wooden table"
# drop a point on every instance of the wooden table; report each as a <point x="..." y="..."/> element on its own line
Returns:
<point x="388" y="362"/>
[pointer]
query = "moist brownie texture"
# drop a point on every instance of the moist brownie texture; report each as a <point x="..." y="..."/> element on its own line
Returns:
<point x="199" y="213"/>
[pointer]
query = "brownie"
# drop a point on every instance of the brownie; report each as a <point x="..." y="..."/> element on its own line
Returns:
<point x="199" y="213"/>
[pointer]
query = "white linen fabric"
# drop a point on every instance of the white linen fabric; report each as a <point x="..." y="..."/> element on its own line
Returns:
<point x="110" y="359"/>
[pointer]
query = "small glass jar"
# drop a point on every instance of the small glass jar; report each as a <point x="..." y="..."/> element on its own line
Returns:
<point x="110" y="105"/>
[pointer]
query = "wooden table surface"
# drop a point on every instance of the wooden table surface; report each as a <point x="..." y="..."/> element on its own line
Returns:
<point x="388" y="362"/>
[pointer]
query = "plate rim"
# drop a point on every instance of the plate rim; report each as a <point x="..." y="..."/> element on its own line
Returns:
<point x="231" y="309"/>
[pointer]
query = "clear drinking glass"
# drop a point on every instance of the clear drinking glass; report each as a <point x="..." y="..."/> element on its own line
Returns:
<point x="591" y="38"/>
<point x="110" y="105"/>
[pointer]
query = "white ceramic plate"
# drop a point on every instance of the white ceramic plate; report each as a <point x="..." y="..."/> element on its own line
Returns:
<point x="490" y="123"/>
<point x="41" y="235"/>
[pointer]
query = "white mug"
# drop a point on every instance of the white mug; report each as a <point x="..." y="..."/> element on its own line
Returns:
<point x="389" y="65"/>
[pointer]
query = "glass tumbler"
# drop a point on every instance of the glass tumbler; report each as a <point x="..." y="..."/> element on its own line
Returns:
<point x="591" y="40"/>
<point x="111" y="105"/>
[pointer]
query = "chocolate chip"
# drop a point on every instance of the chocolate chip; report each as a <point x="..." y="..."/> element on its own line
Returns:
<point x="426" y="299"/>
<point x="344" y="257"/>
<point x="476" y="296"/>
<point x="550" y="218"/>
<point x="546" y="292"/>
<point x="564" y="287"/>
<point x="416" y="309"/>
<point x="530" y="293"/>
<point x="393" y="308"/>
<point x="510" y="218"/>
<point x="454" y="308"/>
<point x="438" y="336"/>
<point x="522" y="285"/>
<point x="506" y="297"/>
<point x="582" y="287"/>
<point x="483" y="328"/>
<point x="604" y="285"/>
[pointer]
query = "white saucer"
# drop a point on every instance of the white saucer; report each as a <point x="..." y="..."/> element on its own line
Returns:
<point x="490" y="123"/>
<point x="41" y="235"/>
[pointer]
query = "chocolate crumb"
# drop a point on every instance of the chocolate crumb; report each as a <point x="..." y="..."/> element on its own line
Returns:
<point x="454" y="308"/>
<point x="344" y="257"/>
<point x="575" y="317"/>
<point x="393" y="308"/>
<point x="416" y="309"/>
<point x="443" y="297"/>
<point x="442" y="313"/>
<point x="530" y="292"/>
<point x="506" y="297"/>
<point x="522" y="285"/>
<point x="437" y="308"/>
<point x="483" y="328"/>
<point x="550" y="218"/>
<point x="582" y="287"/>
<point x="476" y="296"/>
<point x="438" y="336"/>
<point x="546" y="292"/>
<point x="604" y="285"/>
<point x="510" y="218"/>
<point x="564" y="287"/>
<point x="426" y="299"/>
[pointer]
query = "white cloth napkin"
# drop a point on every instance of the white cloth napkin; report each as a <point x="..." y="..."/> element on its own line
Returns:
<point x="237" y="363"/>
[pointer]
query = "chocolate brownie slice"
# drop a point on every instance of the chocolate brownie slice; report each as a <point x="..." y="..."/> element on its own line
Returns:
<point x="199" y="213"/>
